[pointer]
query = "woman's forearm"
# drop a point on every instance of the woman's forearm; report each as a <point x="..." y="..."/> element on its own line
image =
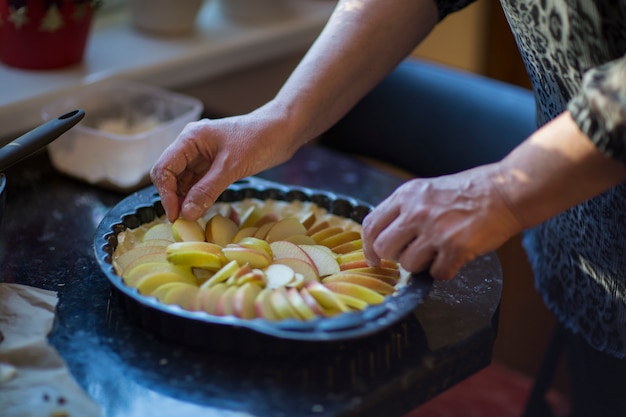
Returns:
<point x="555" y="169"/>
<point x="338" y="70"/>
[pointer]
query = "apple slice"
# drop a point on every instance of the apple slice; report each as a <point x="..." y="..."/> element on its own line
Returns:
<point x="152" y="281"/>
<point x="362" y="263"/>
<point x="125" y="259"/>
<point x="301" y="240"/>
<point x="255" y="276"/>
<point x="159" y="231"/>
<point x="284" y="228"/>
<point x="249" y="217"/>
<point x="256" y="243"/>
<point x="340" y="238"/>
<point x="221" y="275"/>
<point x="298" y="303"/>
<point x="284" y="249"/>
<point x="326" y="298"/>
<point x="255" y="258"/>
<point x="282" y="306"/>
<point x="305" y="268"/>
<point x="267" y="218"/>
<point x="263" y="305"/>
<point x="132" y="275"/>
<point x="352" y="302"/>
<point x="323" y="259"/>
<point x="349" y="246"/>
<point x="195" y="254"/>
<point x="308" y="219"/>
<point x="324" y="224"/>
<point x="181" y="294"/>
<point x="225" y="305"/>
<point x="244" y="233"/>
<point x="278" y="275"/>
<point x="372" y="283"/>
<point x="263" y="229"/>
<point x="377" y="270"/>
<point x="207" y="297"/>
<point x="154" y="242"/>
<point x="326" y="233"/>
<point x="158" y="257"/>
<point x="368" y="295"/>
<point x="313" y="304"/>
<point x="356" y="255"/>
<point x="243" y="300"/>
<point x="220" y="230"/>
<point x="185" y="230"/>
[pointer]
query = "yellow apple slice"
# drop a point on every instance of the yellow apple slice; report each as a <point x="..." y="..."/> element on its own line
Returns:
<point x="372" y="283"/>
<point x="278" y="275"/>
<point x="366" y="294"/>
<point x="244" y="233"/>
<point x="324" y="224"/>
<point x="255" y="276"/>
<point x="298" y="303"/>
<point x="220" y="230"/>
<point x="221" y="274"/>
<point x="306" y="269"/>
<point x="256" y="243"/>
<point x="284" y="228"/>
<point x="177" y="293"/>
<point x="325" y="297"/>
<point x="194" y="254"/>
<point x="185" y="230"/>
<point x="159" y="231"/>
<point x="266" y="218"/>
<point x="263" y="305"/>
<point x="352" y="302"/>
<point x="282" y="306"/>
<point x="150" y="282"/>
<point x="249" y="217"/>
<point x="255" y="258"/>
<point x="301" y="240"/>
<point x="326" y="233"/>
<point x="349" y="246"/>
<point x="362" y="263"/>
<point x="244" y="299"/>
<point x="158" y="257"/>
<point x="308" y="219"/>
<point x="314" y="305"/>
<point x="263" y="229"/>
<point x="125" y="259"/>
<point x="356" y="255"/>
<point x="340" y="238"/>
<point x="132" y="275"/>
<point x="154" y="242"/>
<point x="377" y="270"/>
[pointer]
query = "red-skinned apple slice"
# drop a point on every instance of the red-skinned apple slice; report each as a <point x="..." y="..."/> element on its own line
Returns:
<point x="263" y="305"/>
<point x="282" y="306"/>
<point x="244" y="299"/>
<point x="299" y="266"/>
<point x="285" y="228"/>
<point x="225" y="304"/>
<point x="298" y="303"/>
<point x="207" y="297"/>
<point x="316" y="307"/>
<point x="323" y="259"/>
<point x="222" y="274"/>
<point x="278" y="275"/>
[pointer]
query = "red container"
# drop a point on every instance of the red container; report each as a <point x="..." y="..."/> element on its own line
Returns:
<point x="44" y="34"/>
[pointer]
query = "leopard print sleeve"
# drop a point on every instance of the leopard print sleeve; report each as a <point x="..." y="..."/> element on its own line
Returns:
<point x="600" y="108"/>
<point x="450" y="6"/>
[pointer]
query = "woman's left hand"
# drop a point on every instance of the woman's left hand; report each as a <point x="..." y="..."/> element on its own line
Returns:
<point x="440" y="223"/>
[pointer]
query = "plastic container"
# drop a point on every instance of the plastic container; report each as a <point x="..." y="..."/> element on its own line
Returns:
<point x="127" y="126"/>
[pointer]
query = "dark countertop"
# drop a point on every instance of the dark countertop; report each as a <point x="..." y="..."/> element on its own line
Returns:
<point x="46" y="241"/>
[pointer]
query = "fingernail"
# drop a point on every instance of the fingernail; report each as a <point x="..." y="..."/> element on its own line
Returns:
<point x="191" y="210"/>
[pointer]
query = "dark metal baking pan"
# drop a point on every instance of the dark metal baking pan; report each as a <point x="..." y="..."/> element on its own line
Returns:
<point x="228" y="333"/>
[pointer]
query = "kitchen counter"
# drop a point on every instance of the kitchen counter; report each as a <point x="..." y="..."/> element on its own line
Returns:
<point x="47" y="240"/>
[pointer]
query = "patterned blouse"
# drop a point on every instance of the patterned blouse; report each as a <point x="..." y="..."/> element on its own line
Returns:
<point x="575" y="54"/>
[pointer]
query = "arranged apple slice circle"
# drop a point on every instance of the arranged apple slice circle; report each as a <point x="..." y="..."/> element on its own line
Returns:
<point x="267" y="259"/>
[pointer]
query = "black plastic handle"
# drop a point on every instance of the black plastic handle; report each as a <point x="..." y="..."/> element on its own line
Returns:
<point x="36" y="139"/>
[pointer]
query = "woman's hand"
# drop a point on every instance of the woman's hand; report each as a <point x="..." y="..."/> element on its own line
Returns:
<point x="209" y="155"/>
<point x="440" y="223"/>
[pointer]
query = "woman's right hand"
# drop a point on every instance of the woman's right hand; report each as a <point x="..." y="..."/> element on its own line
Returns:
<point x="209" y="155"/>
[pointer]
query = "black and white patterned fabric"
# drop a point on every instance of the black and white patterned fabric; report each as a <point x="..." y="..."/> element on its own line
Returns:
<point x="575" y="54"/>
